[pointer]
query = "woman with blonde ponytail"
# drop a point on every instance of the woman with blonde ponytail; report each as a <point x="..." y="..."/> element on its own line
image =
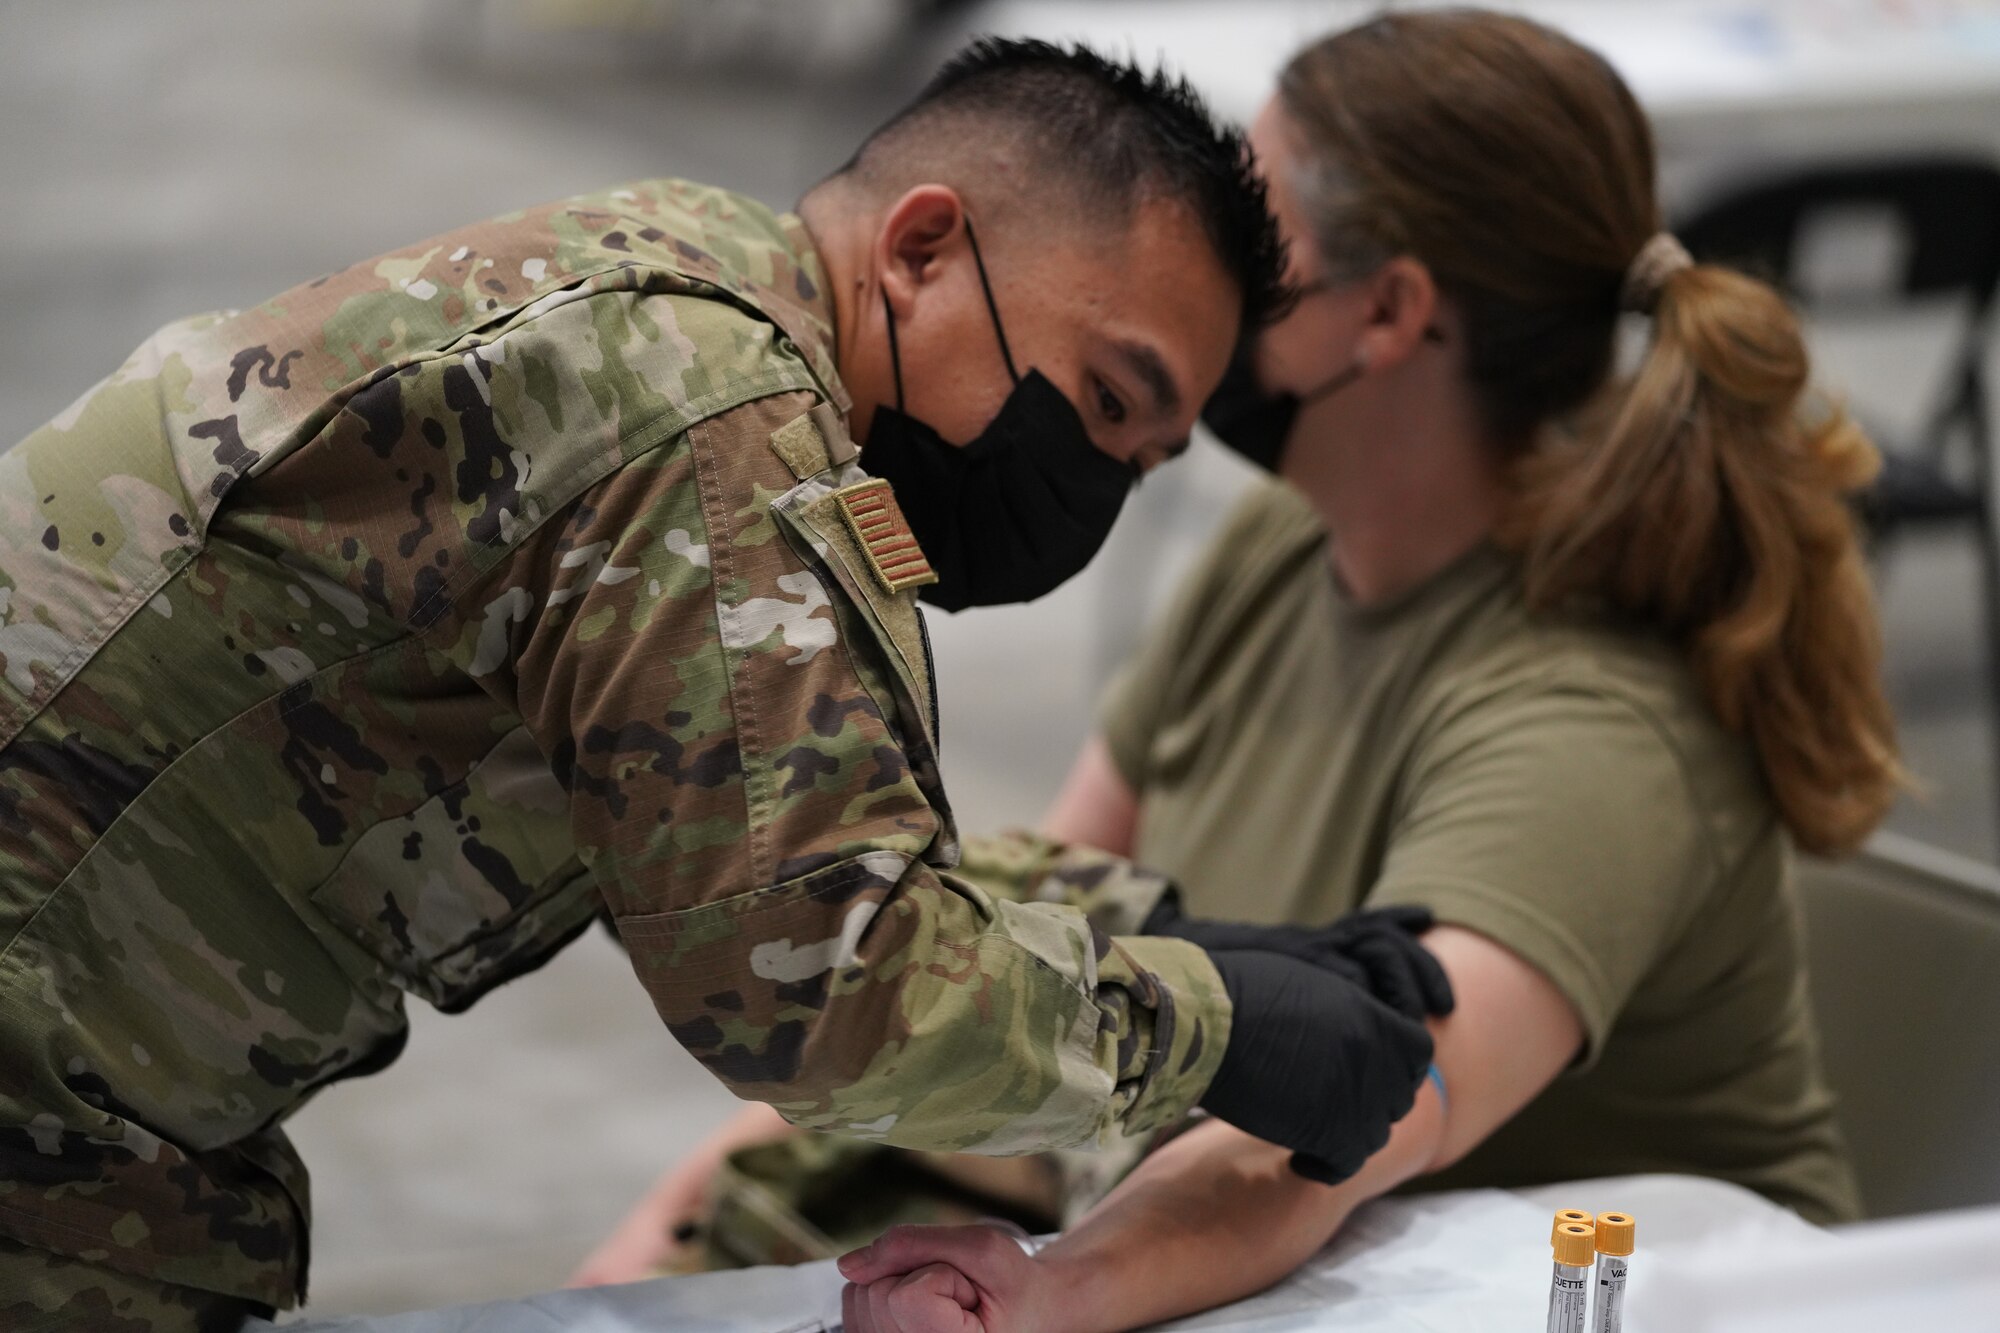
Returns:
<point x="1571" y="656"/>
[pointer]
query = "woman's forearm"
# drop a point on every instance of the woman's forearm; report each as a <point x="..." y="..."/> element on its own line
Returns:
<point x="682" y="1186"/>
<point x="650" y="1230"/>
<point x="1217" y="1215"/>
<point x="1212" y="1217"/>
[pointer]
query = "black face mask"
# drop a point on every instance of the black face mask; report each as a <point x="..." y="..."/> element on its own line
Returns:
<point x="1015" y="512"/>
<point x="1254" y="423"/>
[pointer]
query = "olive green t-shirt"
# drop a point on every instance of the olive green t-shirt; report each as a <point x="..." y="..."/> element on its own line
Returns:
<point x="1550" y="782"/>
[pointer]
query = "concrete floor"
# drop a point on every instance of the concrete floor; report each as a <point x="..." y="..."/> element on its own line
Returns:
<point x="157" y="160"/>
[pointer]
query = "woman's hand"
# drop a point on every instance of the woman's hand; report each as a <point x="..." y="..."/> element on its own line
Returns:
<point x="973" y="1279"/>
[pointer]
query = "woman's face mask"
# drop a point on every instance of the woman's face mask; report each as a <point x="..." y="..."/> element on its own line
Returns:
<point x="1254" y="423"/>
<point x="1016" y="511"/>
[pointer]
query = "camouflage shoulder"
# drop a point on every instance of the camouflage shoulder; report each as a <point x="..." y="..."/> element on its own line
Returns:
<point x="732" y="241"/>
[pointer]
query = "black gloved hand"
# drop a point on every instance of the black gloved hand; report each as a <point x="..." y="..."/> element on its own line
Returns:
<point x="1376" y="950"/>
<point x="1315" y="1063"/>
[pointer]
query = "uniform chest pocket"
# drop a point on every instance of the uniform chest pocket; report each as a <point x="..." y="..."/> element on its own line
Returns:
<point x="473" y="887"/>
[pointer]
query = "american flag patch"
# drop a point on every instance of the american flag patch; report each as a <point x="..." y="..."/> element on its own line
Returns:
<point x="877" y="522"/>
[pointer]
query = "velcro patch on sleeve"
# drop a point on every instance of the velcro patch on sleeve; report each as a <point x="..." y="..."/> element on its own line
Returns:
<point x="878" y="524"/>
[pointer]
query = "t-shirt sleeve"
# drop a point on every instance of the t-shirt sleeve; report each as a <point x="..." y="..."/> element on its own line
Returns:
<point x="1131" y="706"/>
<point x="1562" y="827"/>
<point x="1147" y="689"/>
<point x="1142" y="692"/>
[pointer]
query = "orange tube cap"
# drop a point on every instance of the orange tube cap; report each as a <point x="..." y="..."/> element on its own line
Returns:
<point x="1616" y="1233"/>
<point x="1576" y="1244"/>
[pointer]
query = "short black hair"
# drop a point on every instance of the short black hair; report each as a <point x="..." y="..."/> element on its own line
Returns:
<point x="1116" y="135"/>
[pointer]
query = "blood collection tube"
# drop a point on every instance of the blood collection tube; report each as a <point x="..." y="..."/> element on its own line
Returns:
<point x="1614" y="1236"/>
<point x="1570" y="1215"/>
<point x="1569" y="1290"/>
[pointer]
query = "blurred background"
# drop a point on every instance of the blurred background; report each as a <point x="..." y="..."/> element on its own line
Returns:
<point x="159" y="160"/>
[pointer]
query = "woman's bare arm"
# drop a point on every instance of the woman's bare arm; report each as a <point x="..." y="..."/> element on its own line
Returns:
<point x="1217" y="1215"/>
<point x="644" y="1239"/>
<point x="1095" y="805"/>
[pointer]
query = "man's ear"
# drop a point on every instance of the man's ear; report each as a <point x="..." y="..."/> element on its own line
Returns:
<point x="1402" y="304"/>
<point x="914" y="234"/>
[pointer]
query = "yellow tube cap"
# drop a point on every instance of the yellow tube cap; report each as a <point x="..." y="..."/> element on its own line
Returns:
<point x="1569" y="1215"/>
<point x="1576" y="1244"/>
<point x="1616" y="1233"/>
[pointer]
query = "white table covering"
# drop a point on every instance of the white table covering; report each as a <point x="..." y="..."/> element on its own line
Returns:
<point x="1469" y="1262"/>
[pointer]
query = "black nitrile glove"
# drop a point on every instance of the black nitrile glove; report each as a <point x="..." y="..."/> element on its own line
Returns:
<point x="1376" y="950"/>
<point x="1315" y="1063"/>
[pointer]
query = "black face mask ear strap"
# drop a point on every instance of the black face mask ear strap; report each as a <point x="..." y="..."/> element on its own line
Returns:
<point x="992" y="308"/>
<point x="895" y="352"/>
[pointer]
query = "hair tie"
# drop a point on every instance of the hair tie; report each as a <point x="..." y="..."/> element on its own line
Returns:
<point x="1657" y="260"/>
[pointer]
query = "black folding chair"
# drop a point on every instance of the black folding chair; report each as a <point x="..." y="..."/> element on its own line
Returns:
<point x="1947" y="211"/>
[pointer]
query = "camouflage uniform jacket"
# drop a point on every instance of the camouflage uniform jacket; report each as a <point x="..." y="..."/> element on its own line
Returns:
<point x="368" y="642"/>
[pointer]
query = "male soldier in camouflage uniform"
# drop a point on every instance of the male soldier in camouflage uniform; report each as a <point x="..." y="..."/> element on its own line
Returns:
<point x="369" y="642"/>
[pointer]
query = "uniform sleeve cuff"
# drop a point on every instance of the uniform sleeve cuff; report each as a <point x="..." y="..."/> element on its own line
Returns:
<point x="1180" y="1028"/>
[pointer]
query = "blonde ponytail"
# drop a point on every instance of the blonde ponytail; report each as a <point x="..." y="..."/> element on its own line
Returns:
<point x="1709" y="507"/>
